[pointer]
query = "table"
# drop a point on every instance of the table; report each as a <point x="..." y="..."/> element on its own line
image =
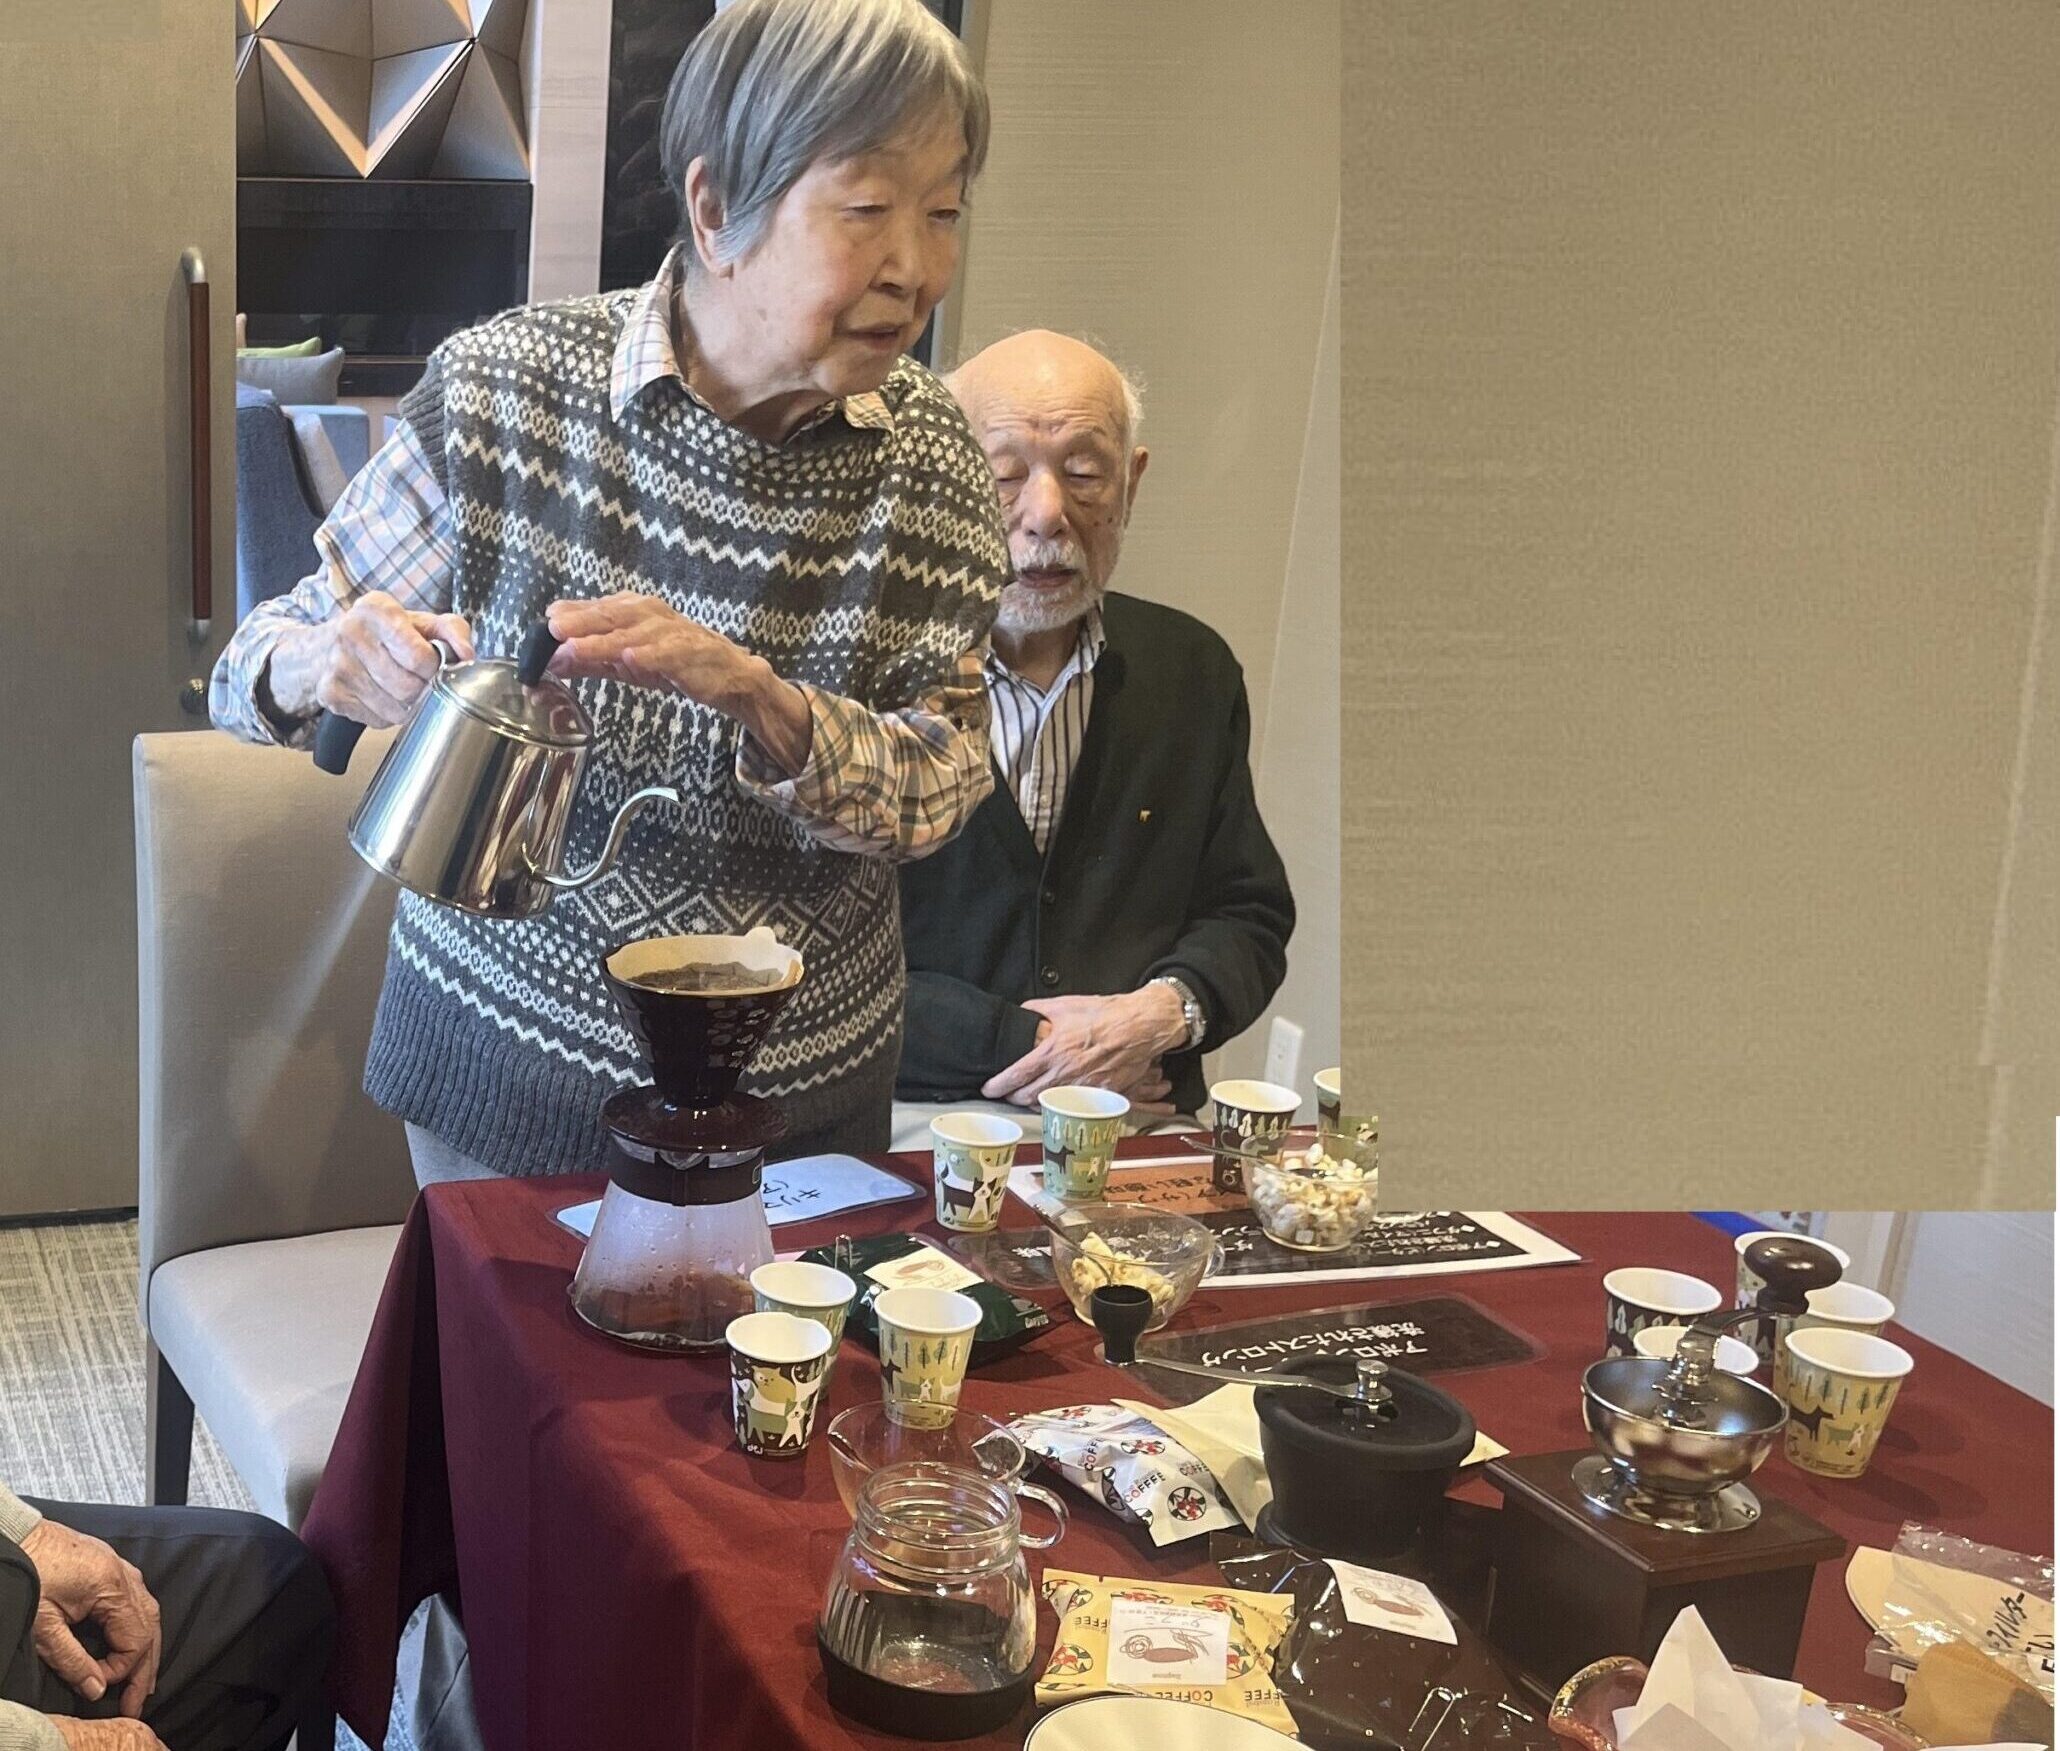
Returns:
<point x="629" y="1578"/>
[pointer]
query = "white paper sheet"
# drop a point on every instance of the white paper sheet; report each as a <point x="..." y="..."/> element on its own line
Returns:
<point x="801" y="1190"/>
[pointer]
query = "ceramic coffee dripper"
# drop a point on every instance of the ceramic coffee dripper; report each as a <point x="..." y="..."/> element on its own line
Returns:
<point x="682" y="1225"/>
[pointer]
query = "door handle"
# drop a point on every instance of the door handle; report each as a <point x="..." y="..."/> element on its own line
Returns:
<point x="200" y="374"/>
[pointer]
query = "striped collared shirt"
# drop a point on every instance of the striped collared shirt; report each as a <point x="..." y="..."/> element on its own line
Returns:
<point x="874" y="782"/>
<point x="1036" y="734"/>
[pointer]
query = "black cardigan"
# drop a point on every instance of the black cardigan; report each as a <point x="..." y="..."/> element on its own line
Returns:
<point x="1159" y="864"/>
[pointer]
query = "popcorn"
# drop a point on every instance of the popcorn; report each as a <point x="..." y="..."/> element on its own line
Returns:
<point x="1098" y="1263"/>
<point x="1313" y="1200"/>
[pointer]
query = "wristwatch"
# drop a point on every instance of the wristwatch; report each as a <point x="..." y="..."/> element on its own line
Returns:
<point x="1190" y="1009"/>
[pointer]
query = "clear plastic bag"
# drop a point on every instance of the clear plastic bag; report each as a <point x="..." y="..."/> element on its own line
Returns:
<point x="1944" y="1588"/>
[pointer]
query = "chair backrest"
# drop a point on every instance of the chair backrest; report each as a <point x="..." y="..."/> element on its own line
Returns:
<point x="262" y="941"/>
<point x="276" y="509"/>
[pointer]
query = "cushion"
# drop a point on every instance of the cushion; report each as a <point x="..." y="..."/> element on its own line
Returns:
<point x="300" y="349"/>
<point x="266" y="1338"/>
<point x="311" y="379"/>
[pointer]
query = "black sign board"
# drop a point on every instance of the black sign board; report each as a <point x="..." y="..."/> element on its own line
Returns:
<point x="1436" y="1334"/>
<point x="1437" y="1237"/>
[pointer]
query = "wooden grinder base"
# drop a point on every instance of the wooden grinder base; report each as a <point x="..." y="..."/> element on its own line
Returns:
<point x="1575" y="1583"/>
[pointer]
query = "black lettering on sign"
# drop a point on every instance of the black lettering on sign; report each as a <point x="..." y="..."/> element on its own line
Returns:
<point x="1433" y="1335"/>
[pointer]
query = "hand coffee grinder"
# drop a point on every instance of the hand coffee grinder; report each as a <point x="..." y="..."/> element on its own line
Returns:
<point x="682" y="1225"/>
<point x="1598" y="1552"/>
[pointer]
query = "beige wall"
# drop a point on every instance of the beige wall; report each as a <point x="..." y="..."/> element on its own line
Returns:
<point x="1297" y="771"/>
<point x="1164" y="179"/>
<point x="1703" y="362"/>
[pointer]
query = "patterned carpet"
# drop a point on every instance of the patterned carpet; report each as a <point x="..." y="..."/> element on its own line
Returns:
<point x="71" y="1379"/>
<point x="71" y="1371"/>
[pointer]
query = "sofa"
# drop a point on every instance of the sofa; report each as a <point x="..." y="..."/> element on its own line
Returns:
<point x="291" y="462"/>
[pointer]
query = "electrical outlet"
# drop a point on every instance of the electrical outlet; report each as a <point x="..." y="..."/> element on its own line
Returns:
<point x="1284" y="1053"/>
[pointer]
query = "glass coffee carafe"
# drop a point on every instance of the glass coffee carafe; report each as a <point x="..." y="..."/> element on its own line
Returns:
<point x="682" y="1224"/>
<point x="929" y="1626"/>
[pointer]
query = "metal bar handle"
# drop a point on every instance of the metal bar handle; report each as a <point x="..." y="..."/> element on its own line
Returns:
<point x="200" y="377"/>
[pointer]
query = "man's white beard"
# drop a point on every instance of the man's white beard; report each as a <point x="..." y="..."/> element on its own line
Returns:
<point x="1026" y="610"/>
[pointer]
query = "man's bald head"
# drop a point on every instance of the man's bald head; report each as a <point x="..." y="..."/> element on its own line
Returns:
<point x="1058" y="421"/>
<point x="1056" y="363"/>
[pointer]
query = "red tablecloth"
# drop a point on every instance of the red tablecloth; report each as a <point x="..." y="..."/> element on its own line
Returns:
<point x="629" y="1578"/>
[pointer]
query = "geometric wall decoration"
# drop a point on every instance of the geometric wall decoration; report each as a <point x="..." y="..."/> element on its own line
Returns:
<point x="380" y="88"/>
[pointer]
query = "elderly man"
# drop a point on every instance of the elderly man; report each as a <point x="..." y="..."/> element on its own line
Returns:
<point x="134" y="1629"/>
<point x="1116" y="908"/>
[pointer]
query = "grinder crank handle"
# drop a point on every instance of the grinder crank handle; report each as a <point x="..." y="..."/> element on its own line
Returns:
<point x="1790" y="1267"/>
<point x="1122" y="1310"/>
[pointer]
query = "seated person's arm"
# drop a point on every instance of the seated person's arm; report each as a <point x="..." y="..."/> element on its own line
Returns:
<point x="388" y="551"/>
<point x="957" y="1036"/>
<point x="21" y="1728"/>
<point x="1232" y="950"/>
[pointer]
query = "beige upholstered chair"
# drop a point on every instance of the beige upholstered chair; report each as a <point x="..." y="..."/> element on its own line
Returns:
<point x="272" y="1189"/>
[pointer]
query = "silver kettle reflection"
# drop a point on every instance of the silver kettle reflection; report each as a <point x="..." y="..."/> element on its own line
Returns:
<point x="471" y="805"/>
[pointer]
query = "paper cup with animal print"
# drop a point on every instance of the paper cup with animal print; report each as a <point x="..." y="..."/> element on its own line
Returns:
<point x="1640" y="1296"/>
<point x="1765" y="1333"/>
<point x="1081" y="1129"/>
<point x="777" y="1365"/>
<point x="1246" y="1113"/>
<point x="1847" y="1306"/>
<point x="818" y="1292"/>
<point x="926" y="1340"/>
<point x="1840" y="1387"/>
<point x="1330" y="1099"/>
<point x="971" y="1155"/>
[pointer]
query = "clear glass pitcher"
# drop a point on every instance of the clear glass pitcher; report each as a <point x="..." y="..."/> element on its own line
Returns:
<point x="671" y="1272"/>
<point x="929" y="1626"/>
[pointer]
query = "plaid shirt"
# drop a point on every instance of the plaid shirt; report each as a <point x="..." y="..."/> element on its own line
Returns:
<point x="891" y="784"/>
<point x="1036" y="733"/>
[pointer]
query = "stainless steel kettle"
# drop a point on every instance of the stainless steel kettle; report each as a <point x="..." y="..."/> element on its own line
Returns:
<point x="471" y="804"/>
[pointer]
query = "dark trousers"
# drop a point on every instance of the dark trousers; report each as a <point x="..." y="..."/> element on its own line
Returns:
<point x="246" y="1618"/>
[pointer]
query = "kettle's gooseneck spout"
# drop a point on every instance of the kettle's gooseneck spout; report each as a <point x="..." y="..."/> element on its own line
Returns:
<point x="564" y="884"/>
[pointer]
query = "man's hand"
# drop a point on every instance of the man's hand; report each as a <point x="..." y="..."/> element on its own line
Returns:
<point x="85" y="1581"/>
<point x="1102" y="1042"/>
<point x="115" y="1735"/>
<point x="646" y="642"/>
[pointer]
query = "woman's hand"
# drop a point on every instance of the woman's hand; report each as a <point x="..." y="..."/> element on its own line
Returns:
<point x="371" y="664"/>
<point x="646" y="642"/>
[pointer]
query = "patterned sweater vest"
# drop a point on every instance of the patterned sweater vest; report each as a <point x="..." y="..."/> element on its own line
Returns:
<point x="499" y="1037"/>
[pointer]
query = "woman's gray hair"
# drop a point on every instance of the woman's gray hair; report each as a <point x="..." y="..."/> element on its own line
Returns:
<point x="771" y="87"/>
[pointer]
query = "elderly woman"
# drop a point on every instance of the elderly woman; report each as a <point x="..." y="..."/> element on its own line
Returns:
<point x="772" y="549"/>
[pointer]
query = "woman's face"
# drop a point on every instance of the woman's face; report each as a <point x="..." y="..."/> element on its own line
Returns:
<point x="855" y="258"/>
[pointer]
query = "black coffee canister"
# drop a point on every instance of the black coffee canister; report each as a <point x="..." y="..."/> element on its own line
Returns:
<point x="1356" y="1483"/>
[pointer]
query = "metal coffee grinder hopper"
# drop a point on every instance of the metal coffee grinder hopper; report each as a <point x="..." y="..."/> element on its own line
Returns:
<point x="1676" y="1437"/>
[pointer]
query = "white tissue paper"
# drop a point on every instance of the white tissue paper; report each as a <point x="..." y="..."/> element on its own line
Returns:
<point x="1694" y="1701"/>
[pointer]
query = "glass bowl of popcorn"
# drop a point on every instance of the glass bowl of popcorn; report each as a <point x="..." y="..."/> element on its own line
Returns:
<point x="1314" y="1190"/>
<point x="1164" y="1254"/>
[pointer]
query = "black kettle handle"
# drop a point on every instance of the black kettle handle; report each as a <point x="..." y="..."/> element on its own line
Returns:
<point x="539" y="645"/>
<point x="335" y="737"/>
